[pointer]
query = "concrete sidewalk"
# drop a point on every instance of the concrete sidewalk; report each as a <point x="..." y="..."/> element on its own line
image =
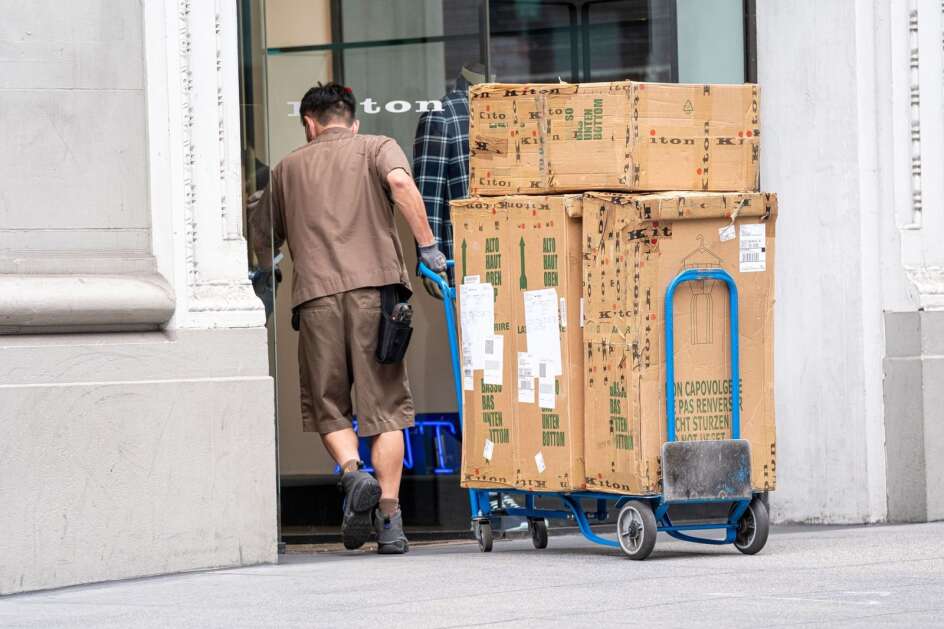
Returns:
<point x="829" y="576"/>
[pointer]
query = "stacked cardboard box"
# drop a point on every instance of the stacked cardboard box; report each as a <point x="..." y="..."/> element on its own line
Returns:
<point x="523" y="424"/>
<point x="613" y="136"/>
<point x="634" y="245"/>
<point x="519" y="256"/>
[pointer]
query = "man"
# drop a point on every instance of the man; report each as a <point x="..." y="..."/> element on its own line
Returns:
<point x="333" y="200"/>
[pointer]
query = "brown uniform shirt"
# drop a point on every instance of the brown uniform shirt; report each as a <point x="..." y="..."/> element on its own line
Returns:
<point x="329" y="199"/>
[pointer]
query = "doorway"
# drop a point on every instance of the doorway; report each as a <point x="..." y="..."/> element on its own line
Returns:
<point x="400" y="57"/>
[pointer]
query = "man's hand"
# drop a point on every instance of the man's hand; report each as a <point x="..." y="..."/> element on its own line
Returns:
<point x="431" y="256"/>
<point x="253" y="200"/>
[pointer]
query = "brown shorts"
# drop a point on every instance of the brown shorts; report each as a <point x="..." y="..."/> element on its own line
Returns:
<point x="337" y="339"/>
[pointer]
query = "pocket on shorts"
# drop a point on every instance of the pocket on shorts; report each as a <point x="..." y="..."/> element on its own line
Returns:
<point x="367" y="298"/>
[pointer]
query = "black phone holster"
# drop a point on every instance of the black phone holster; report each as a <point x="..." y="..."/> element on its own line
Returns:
<point x="393" y="338"/>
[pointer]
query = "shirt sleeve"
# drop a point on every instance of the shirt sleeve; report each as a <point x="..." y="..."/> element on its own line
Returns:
<point x="430" y="161"/>
<point x="389" y="156"/>
<point x="267" y="222"/>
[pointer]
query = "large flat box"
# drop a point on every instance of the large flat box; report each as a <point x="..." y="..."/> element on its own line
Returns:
<point x="482" y="235"/>
<point x="634" y="246"/>
<point x="624" y="135"/>
<point x="539" y="250"/>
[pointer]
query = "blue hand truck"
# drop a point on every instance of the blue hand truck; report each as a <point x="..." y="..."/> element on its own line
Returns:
<point x="716" y="473"/>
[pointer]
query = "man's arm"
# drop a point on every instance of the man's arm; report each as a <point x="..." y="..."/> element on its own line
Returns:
<point x="407" y="198"/>
<point x="266" y="222"/>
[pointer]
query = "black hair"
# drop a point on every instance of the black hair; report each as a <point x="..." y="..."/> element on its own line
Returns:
<point x="327" y="103"/>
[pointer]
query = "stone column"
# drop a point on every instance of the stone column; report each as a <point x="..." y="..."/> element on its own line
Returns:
<point x="75" y="237"/>
<point x="194" y="158"/>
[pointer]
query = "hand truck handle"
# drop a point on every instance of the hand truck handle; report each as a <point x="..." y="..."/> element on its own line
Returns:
<point x="443" y="285"/>
<point x="692" y="275"/>
<point x="449" y="296"/>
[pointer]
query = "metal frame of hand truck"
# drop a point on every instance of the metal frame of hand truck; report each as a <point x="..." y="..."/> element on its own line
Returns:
<point x="640" y="516"/>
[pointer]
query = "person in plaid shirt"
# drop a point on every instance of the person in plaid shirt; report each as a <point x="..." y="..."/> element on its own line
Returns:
<point x="441" y="160"/>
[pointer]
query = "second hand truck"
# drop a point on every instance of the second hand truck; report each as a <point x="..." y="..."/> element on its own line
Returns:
<point x="693" y="472"/>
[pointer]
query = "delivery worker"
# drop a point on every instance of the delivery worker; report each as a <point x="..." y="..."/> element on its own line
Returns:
<point x="333" y="201"/>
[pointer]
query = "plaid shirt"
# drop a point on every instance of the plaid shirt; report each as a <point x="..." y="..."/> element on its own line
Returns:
<point x="441" y="161"/>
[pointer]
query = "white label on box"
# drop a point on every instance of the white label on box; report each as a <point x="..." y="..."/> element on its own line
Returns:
<point x="494" y="359"/>
<point x="563" y="313"/>
<point x="546" y="388"/>
<point x="539" y="461"/>
<point x="753" y="248"/>
<point x="477" y="317"/>
<point x="581" y="312"/>
<point x="727" y="233"/>
<point x="542" y="321"/>
<point x="489" y="450"/>
<point x="468" y="383"/>
<point x="525" y="378"/>
<point x="470" y="279"/>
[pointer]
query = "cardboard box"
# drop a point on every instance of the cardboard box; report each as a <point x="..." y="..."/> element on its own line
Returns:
<point x="634" y="245"/>
<point x="482" y="234"/>
<point x="541" y="255"/>
<point x="625" y="135"/>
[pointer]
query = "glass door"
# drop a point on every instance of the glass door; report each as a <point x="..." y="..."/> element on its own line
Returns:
<point x="400" y="57"/>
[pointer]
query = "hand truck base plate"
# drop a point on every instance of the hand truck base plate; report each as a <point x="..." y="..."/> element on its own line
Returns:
<point x="706" y="470"/>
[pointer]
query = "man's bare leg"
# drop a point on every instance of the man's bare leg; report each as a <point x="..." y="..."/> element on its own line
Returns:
<point x="341" y="445"/>
<point x="387" y="456"/>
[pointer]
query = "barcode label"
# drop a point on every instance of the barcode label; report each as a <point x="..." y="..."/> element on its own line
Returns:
<point x="494" y="359"/>
<point x="753" y="248"/>
<point x="546" y="392"/>
<point x="525" y="378"/>
<point x="468" y="382"/>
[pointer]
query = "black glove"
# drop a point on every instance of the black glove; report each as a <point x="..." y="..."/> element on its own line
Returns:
<point x="432" y="257"/>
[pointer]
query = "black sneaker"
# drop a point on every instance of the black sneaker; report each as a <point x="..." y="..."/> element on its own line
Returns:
<point x="391" y="540"/>
<point x="361" y="495"/>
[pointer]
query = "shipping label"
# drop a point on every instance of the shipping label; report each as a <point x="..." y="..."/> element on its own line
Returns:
<point x="753" y="248"/>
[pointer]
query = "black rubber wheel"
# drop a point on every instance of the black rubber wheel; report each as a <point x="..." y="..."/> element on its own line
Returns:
<point x="753" y="528"/>
<point x="483" y="534"/>
<point x="636" y="529"/>
<point x="538" y="530"/>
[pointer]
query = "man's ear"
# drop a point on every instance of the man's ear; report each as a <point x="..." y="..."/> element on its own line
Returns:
<point x="309" y="125"/>
<point x="356" y="126"/>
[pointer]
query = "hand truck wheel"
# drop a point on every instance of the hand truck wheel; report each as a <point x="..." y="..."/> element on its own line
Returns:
<point x="538" y="529"/>
<point x="483" y="534"/>
<point x="753" y="528"/>
<point x="636" y="529"/>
